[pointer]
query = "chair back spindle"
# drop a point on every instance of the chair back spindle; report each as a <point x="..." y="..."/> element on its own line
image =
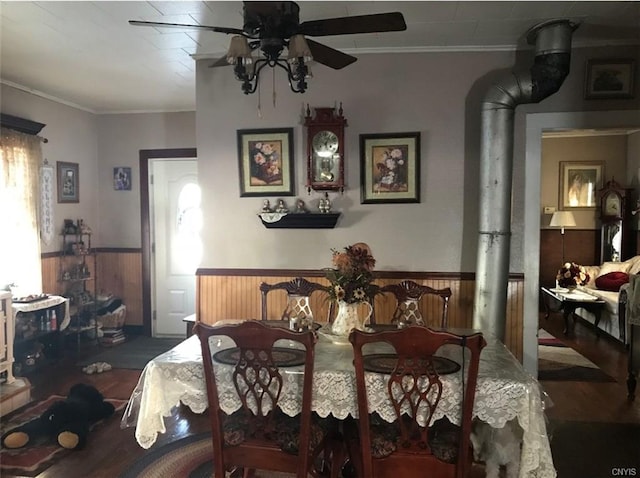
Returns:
<point x="408" y="295"/>
<point x="414" y="387"/>
<point x="299" y="292"/>
<point x="252" y="436"/>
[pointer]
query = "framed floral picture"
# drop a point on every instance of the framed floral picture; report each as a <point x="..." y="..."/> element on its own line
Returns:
<point x="390" y="168"/>
<point x="609" y="79"/>
<point x="68" y="182"/>
<point x="579" y="184"/>
<point x="266" y="162"/>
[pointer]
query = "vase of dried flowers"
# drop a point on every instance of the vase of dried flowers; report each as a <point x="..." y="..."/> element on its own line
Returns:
<point x="351" y="287"/>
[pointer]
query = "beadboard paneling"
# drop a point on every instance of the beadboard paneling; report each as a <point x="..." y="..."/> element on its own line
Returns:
<point x="235" y="294"/>
<point x="119" y="272"/>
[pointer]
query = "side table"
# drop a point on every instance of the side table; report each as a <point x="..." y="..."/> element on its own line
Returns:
<point x="556" y="300"/>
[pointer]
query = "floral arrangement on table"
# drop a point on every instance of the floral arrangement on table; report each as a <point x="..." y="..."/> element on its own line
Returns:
<point x="572" y="275"/>
<point x="352" y="274"/>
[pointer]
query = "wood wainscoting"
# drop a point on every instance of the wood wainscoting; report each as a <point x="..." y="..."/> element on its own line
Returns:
<point x="119" y="272"/>
<point x="235" y="294"/>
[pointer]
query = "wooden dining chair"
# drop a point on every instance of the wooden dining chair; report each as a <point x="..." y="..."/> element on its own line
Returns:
<point x="414" y="444"/>
<point x="298" y="299"/>
<point x="260" y="435"/>
<point x="408" y="295"/>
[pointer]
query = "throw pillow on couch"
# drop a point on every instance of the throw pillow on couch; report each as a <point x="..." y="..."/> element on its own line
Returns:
<point x="612" y="281"/>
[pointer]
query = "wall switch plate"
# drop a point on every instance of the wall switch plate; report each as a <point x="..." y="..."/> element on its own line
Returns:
<point x="549" y="209"/>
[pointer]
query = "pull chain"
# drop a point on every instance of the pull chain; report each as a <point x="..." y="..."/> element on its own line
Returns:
<point x="273" y="80"/>
<point x="259" y="103"/>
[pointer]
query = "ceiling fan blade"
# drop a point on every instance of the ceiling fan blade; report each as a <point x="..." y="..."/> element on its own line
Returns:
<point x="329" y="56"/>
<point x="139" y="23"/>
<point x="379" y="22"/>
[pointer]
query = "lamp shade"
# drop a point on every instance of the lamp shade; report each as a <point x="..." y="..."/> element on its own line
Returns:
<point x="562" y="219"/>
<point x="239" y="50"/>
<point x="298" y="48"/>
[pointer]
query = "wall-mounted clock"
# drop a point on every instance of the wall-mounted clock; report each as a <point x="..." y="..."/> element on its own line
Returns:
<point x="325" y="149"/>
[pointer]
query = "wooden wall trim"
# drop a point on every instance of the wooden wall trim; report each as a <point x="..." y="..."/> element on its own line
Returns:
<point x="119" y="250"/>
<point x="413" y="275"/>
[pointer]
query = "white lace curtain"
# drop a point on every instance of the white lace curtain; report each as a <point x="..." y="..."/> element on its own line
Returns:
<point x="20" y="161"/>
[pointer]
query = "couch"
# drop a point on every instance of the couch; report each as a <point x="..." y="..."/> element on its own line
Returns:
<point x="604" y="279"/>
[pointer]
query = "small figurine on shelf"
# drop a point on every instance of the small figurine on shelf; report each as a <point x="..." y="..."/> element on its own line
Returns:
<point x="300" y="207"/>
<point x="282" y="207"/>
<point x="266" y="206"/>
<point x="325" y="204"/>
<point x="321" y="205"/>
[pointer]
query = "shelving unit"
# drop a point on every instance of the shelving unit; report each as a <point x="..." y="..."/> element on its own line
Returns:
<point x="37" y="333"/>
<point x="77" y="273"/>
<point x="299" y="221"/>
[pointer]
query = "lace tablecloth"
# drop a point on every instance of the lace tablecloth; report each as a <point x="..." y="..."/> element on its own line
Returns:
<point x="504" y="392"/>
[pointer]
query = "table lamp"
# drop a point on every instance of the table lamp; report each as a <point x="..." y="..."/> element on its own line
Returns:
<point x="562" y="219"/>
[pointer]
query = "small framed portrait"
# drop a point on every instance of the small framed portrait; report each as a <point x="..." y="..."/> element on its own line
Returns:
<point x="609" y="79"/>
<point x="390" y="168"/>
<point x="122" y="178"/>
<point x="68" y="182"/>
<point x="266" y="162"/>
<point x="580" y="183"/>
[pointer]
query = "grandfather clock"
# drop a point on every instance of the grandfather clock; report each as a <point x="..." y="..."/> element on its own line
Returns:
<point x="616" y="234"/>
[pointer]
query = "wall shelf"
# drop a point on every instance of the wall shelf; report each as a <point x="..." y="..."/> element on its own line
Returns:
<point x="300" y="221"/>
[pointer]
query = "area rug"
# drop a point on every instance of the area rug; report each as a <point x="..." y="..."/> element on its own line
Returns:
<point x="592" y="449"/>
<point x="565" y="364"/>
<point x="189" y="457"/>
<point x="133" y="354"/>
<point x="34" y="459"/>
<point x="545" y="338"/>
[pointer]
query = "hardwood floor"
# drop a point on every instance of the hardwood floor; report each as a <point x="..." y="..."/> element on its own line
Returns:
<point x="112" y="450"/>
<point x="591" y="401"/>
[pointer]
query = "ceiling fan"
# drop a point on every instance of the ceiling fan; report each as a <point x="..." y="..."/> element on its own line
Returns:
<point x="273" y="26"/>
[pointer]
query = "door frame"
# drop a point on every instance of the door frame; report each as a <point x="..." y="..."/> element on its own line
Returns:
<point x="145" y="222"/>
<point x="535" y="125"/>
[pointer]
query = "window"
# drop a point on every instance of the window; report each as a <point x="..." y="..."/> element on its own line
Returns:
<point x="188" y="252"/>
<point x="20" y="159"/>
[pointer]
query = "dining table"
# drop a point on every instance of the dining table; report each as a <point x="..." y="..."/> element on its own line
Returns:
<point x="504" y="391"/>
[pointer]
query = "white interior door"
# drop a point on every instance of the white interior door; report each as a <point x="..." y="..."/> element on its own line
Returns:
<point x="176" y="243"/>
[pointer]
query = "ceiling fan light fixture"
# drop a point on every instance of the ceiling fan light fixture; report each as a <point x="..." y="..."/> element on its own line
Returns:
<point x="298" y="48"/>
<point x="239" y="51"/>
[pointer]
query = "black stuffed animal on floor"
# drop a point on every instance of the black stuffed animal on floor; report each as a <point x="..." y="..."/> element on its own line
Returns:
<point x="65" y="421"/>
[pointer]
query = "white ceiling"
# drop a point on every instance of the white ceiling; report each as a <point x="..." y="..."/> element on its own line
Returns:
<point x="87" y="55"/>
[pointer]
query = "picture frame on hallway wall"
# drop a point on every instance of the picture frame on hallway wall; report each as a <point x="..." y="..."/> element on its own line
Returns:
<point x="609" y="79"/>
<point x="68" y="182"/>
<point x="122" y="178"/>
<point x="265" y="159"/>
<point x="579" y="184"/>
<point x="390" y="168"/>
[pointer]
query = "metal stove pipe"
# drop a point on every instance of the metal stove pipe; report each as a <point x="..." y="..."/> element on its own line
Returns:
<point x="552" y="40"/>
